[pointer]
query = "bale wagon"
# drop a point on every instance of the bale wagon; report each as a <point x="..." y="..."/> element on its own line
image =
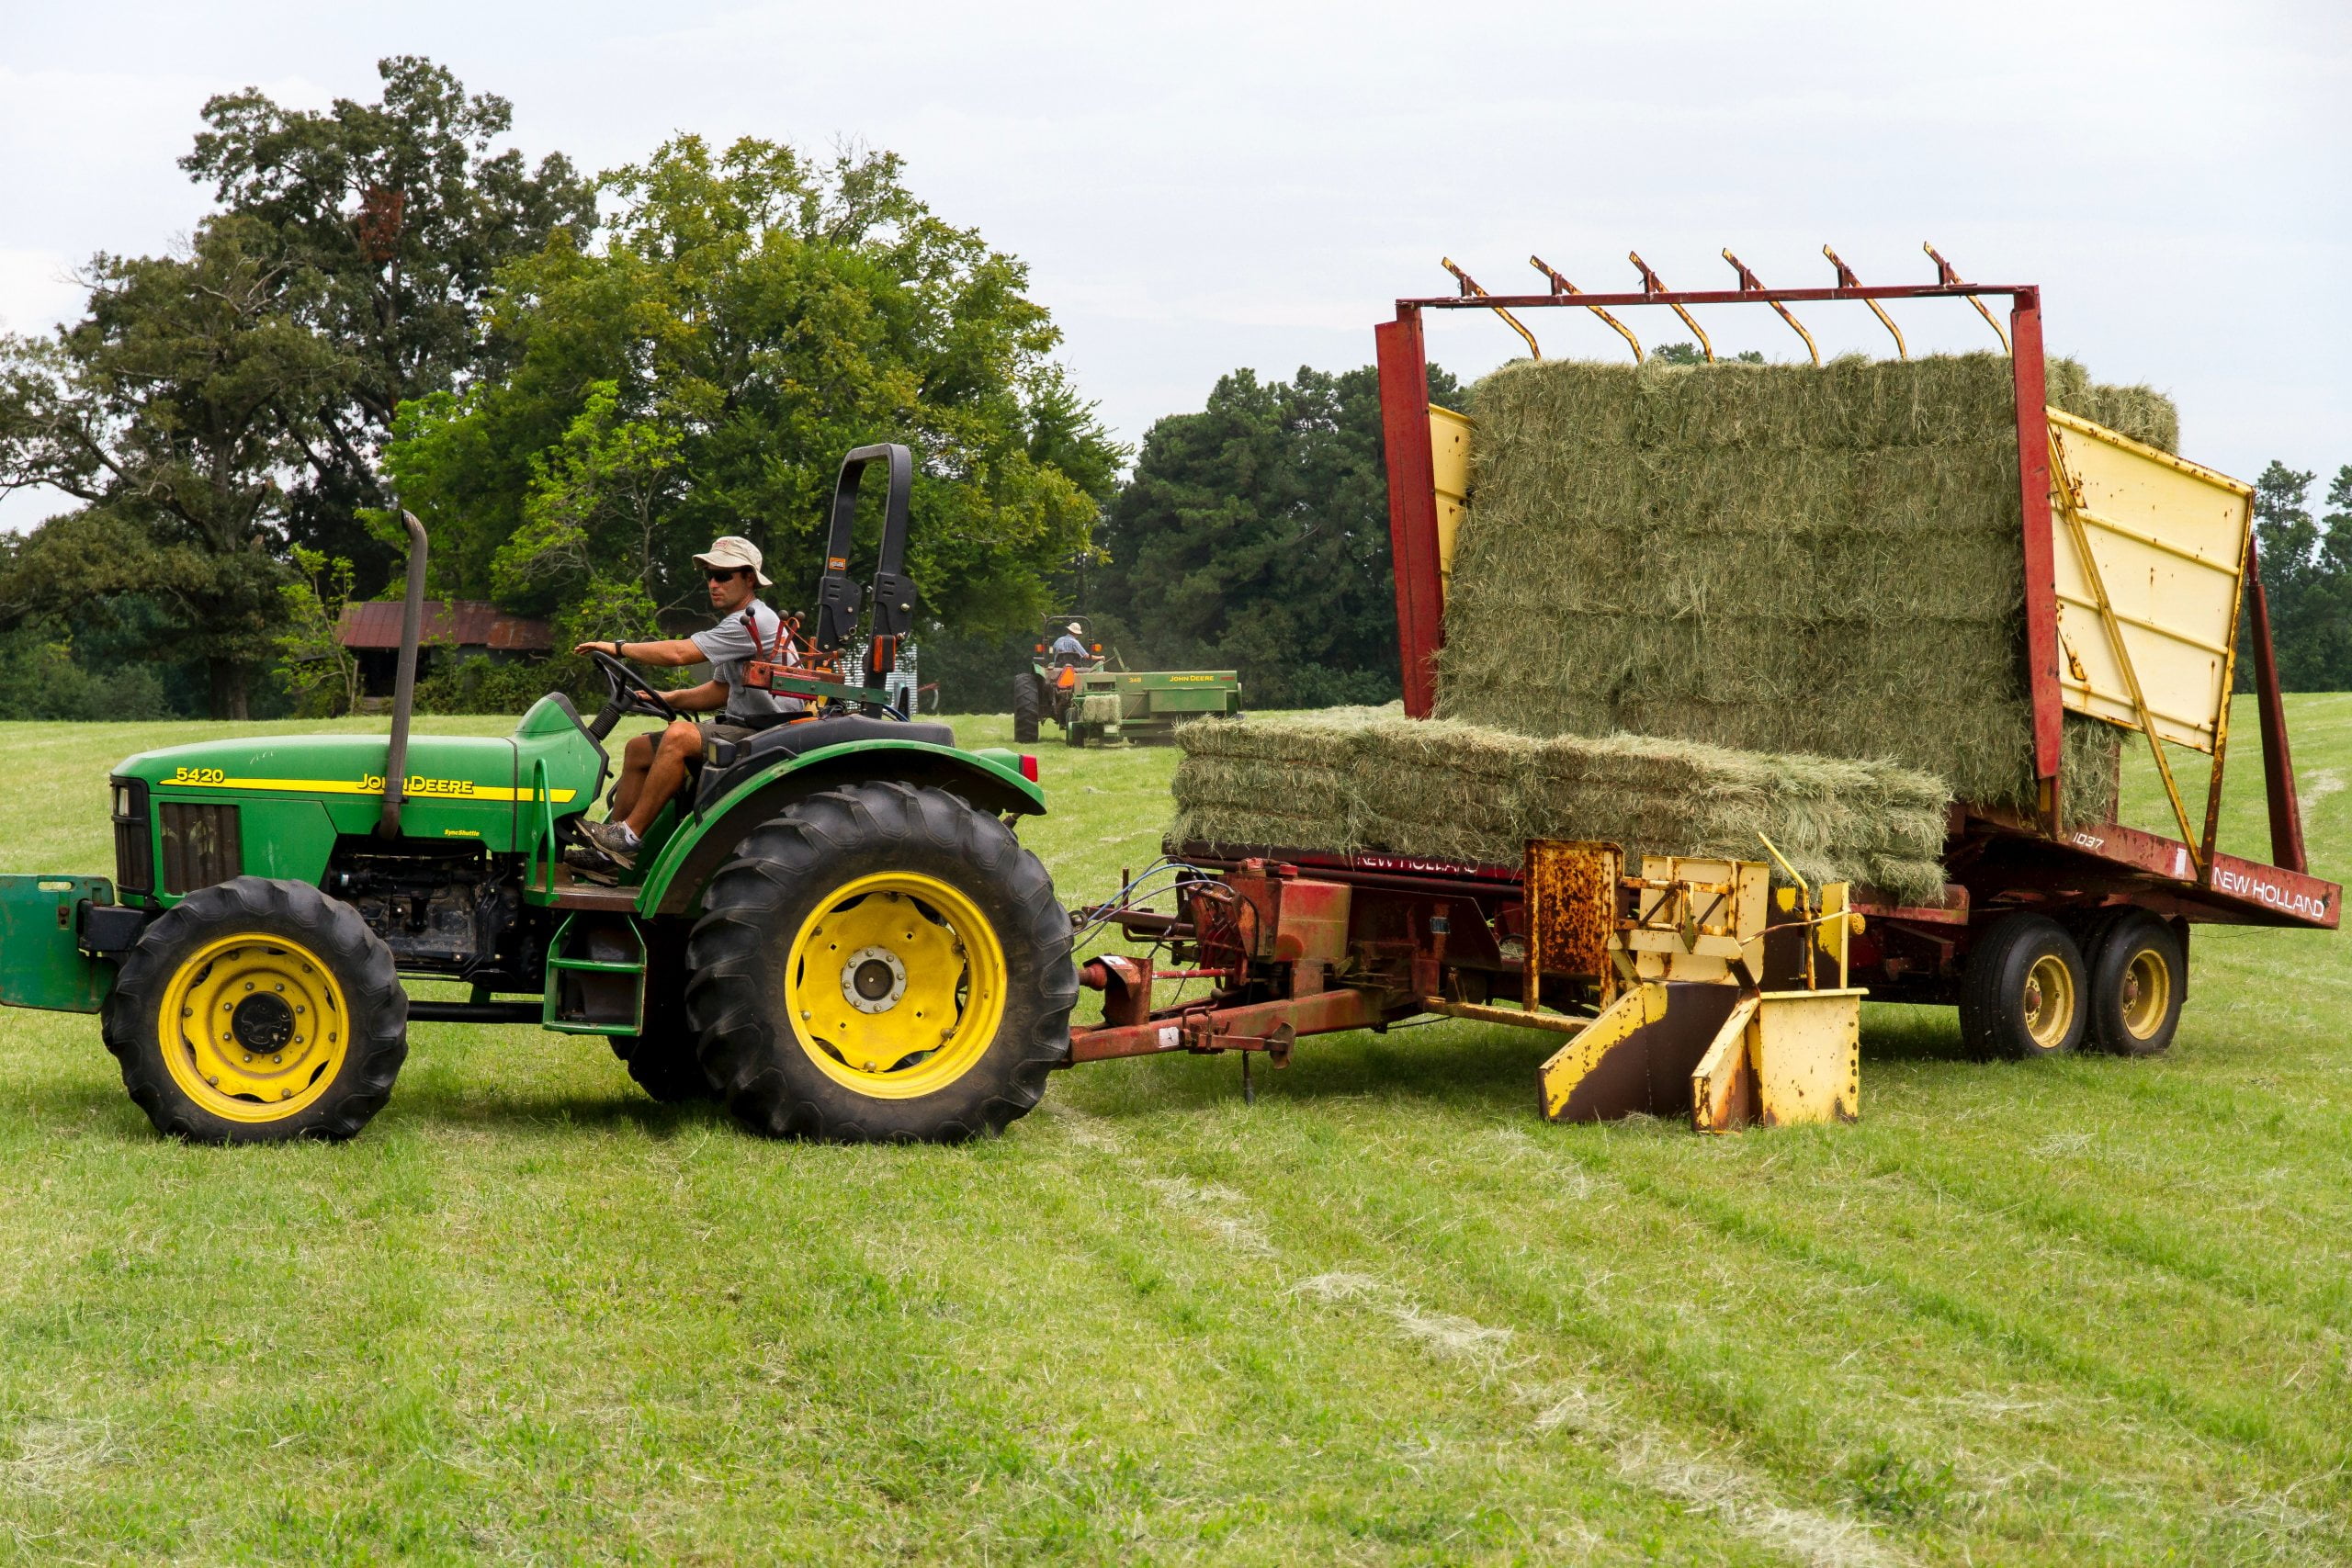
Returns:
<point x="1698" y="987"/>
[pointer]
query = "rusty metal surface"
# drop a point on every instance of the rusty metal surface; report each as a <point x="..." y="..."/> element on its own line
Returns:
<point x="1518" y="1018"/>
<point x="1572" y="903"/>
<point x="1259" y="1026"/>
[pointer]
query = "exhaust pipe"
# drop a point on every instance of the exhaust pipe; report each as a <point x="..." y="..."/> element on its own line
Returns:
<point x="404" y="683"/>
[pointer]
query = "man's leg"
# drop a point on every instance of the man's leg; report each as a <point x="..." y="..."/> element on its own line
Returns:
<point x="636" y="757"/>
<point x="673" y="755"/>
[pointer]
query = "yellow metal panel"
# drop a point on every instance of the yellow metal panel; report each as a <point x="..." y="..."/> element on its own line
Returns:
<point x="1449" y="463"/>
<point x="1807" y="1052"/>
<point x="2168" y="538"/>
<point x="1722" y="1089"/>
<point x="1696" y="919"/>
<point x="1566" y="1068"/>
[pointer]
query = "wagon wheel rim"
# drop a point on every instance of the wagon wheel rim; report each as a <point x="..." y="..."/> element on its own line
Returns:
<point x="2146" y="994"/>
<point x="897" y="985"/>
<point x="254" y="1027"/>
<point x="2048" y="1001"/>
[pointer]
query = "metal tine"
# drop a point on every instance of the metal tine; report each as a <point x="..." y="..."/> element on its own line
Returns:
<point x="1653" y="284"/>
<point x="1845" y="279"/>
<point x="1951" y="280"/>
<point x="1562" y="286"/>
<point x="1749" y="282"/>
<point x="1471" y="290"/>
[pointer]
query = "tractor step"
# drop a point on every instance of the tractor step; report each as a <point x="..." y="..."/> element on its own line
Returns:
<point x="596" y="977"/>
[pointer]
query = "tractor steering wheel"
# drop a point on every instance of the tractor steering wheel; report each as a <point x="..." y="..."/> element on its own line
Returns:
<point x="625" y="692"/>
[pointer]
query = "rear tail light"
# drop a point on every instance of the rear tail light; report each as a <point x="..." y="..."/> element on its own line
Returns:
<point x="1028" y="767"/>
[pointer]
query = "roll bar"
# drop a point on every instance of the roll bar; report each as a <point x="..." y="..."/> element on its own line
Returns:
<point x="404" y="684"/>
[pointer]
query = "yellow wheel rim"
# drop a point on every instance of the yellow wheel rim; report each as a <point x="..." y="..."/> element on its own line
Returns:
<point x="897" y="985"/>
<point x="254" y="1027"/>
<point x="2147" y="993"/>
<point x="2048" y="1001"/>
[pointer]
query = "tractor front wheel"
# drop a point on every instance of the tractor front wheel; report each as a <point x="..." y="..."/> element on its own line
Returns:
<point x="257" y="1011"/>
<point x="881" y="963"/>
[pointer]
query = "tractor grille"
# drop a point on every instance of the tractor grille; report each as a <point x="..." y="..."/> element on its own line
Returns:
<point x="201" y="846"/>
<point x="134" y="852"/>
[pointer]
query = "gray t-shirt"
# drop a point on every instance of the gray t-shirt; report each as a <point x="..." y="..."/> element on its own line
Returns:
<point x="731" y="646"/>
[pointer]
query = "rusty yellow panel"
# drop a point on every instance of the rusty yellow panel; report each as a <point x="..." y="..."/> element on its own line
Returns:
<point x="1806" y="1047"/>
<point x="2168" y="538"/>
<point x="1723" y="1089"/>
<point x="1831" y="935"/>
<point x="1450" y="464"/>
<point x="1617" y="1023"/>
<point x="1571" y="905"/>
<point x="1698" y="920"/>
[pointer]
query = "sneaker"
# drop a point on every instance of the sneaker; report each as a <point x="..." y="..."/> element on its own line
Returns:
<point x="593" y="864"/>
<point x="613" y="838"/>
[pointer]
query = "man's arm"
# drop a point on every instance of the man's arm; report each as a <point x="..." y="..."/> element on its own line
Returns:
<point x="708" y="697"/>
<point x="679" y="652"/>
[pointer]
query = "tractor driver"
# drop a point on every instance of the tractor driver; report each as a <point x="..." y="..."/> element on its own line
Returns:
<point x="1068" y="648"/>
<point x="655" y="767"/>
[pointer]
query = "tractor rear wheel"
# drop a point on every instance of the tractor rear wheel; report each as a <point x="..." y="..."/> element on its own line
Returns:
<point x="664" y="1060"/>
<point x="2023" y="992"/>
<point x="881" y="963"/>
<point x="257" y="1011"/>
<point x="1024" y="708"/>
<point x="2138" y="978"/>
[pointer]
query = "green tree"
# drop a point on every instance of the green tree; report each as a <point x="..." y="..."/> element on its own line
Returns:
<point x="320" y="673"/>
<point x="170" y="411"/>
<point x="751" y="316"/>
<point x="1254" y="534"/>
<point x="395" y="216"/>
<point x="2307" y="578"/>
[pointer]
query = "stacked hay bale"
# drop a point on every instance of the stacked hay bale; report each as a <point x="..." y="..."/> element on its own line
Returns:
<point x="1691" y="605"/>
<point x="1779" y="558"/>
<point x="1353" y="779"/>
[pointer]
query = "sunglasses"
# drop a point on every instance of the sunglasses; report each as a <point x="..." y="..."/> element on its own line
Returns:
<point x="724" y="574"/>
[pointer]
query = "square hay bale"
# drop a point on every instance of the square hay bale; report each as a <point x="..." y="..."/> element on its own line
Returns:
<point x="1779" y="559"/>
<point x="1369" y="779"/>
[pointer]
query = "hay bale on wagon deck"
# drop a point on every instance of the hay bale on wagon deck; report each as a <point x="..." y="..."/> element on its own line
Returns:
<point x="1779" y="558"/>
<point x="1369" y="779"/>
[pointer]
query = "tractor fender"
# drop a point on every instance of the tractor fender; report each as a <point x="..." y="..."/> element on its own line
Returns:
<point x="706" y="839"/>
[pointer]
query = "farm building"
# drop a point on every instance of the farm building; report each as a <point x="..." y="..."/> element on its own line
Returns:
<point x="453" y="628"/>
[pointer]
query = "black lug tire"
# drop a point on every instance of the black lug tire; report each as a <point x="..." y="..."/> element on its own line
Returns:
<point x="740" y="952"/>
<point x="329" y="928"/>
<point x="1993" y="987"/>
<point x="665" y="1061"/>
<point x="2132" y="935"/>
<point x="1025" y="709"/>
<point x="1075" y="735"/>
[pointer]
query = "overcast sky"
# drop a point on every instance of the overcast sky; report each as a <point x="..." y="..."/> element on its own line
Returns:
<point x="1202" y="186"/>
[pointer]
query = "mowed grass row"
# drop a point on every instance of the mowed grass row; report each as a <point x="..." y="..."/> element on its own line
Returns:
<point x="2078" y="1310"/>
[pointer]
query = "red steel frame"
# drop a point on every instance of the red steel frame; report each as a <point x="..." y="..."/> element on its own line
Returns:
<point x="2232" y="888"/>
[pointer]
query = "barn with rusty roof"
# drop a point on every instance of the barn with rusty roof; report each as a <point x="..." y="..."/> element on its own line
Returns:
<point x="453" y="628"/>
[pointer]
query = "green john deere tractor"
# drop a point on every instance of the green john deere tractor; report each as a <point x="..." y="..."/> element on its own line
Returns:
<point x="1078" y="690"/>
<point x="833" y="930"/>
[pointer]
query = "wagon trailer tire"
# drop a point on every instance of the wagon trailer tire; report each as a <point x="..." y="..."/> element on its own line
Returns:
<point x="881" y="963"/>
<point x="258" y="1011"/>
<point x="2023" y="992"/>
<point x="2138" y="978"/>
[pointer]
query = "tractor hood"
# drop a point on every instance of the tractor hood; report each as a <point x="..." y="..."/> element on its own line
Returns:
<point x="495" y="790"/>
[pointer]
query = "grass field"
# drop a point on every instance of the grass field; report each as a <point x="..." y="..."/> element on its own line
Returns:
<point x="2084" y="1311"/>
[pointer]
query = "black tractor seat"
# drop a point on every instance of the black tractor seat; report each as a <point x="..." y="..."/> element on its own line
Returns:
<point x="726" y="764"/>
